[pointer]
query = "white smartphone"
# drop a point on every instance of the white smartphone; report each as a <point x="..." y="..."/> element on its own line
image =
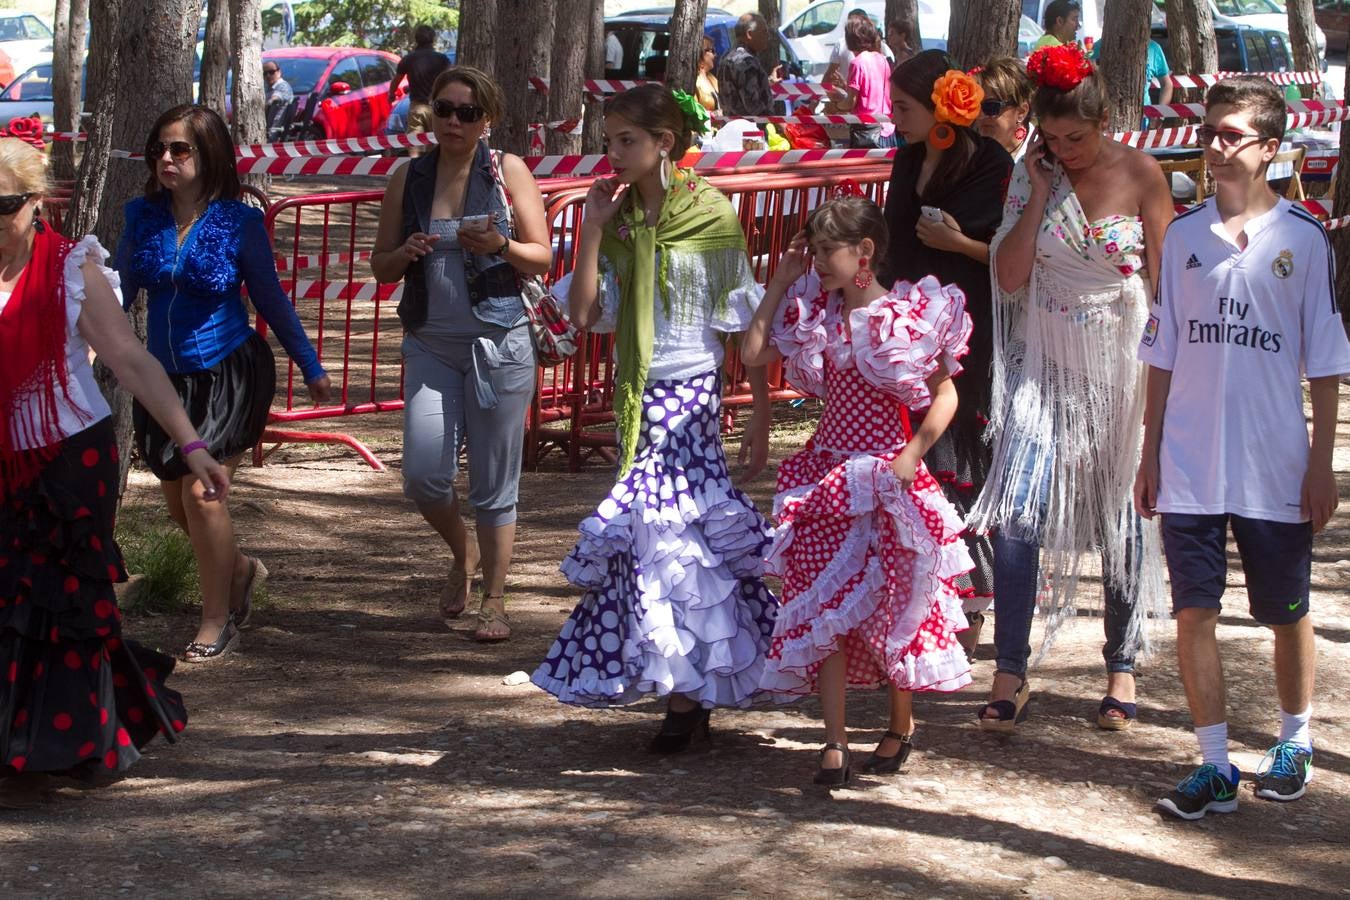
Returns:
<point x="475" y="223"/>
<point x="931" y="213"/>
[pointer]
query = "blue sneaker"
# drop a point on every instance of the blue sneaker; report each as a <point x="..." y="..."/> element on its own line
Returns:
<point x="1203" y="791"/>
<point x="1285" y="772"/>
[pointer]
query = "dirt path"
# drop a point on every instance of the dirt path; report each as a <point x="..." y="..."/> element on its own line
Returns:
<point x="355" y="748"/>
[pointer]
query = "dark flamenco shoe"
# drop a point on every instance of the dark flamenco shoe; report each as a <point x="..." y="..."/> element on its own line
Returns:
<point x="1122" y="722"/>
<point x="835" y="777"/>
<point x="257" y="576"/>
<point x="197" y="652"/>
<point x="1010" y="713"/>
<point x="680" y="728"/>
<point x="970" y="638"/>
<point x="877" y="764"/>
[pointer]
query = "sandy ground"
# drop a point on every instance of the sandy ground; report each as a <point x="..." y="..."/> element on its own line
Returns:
<point x="356" y="748"/>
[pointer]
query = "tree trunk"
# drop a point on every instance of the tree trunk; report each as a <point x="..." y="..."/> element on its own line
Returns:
<point x="478" y="36"/>
<point x="158" y="35"/>
<point x="216" y="55"/>
<point x="72" y="24"/>
<point x="771" y="11"/>
<point x="1124" y="52"/>
<point x="540" y="65"/>
<point x="593" y="133"/>
<point x="905" y="9"/>
<point x="570" y="47"/>
<point x="1303" y="40"/>
<point x="1191" y="45"/>
<point x="1179" y="55"/>
<point x="519" y="49"/>
<point x="980" y="30"/>
<point x="1340" y="237"/>
<point x="249" y="95"/>
<point x="686" y="37"/>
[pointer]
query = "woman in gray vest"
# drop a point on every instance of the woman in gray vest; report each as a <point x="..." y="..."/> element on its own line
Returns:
<point x="469" y="367"/>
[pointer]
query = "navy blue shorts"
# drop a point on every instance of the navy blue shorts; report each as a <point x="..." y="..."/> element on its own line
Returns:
<point x="1276" y="559"/>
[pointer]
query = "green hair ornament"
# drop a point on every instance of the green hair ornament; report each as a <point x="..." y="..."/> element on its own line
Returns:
<point x="696" y="117"/>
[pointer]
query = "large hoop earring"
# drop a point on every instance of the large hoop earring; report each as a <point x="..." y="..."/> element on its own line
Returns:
<point x="665" y="171"/>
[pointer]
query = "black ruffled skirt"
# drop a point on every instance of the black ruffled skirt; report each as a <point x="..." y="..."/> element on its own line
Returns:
<point x="75" y="698"/>
<point x="227" y="404"/>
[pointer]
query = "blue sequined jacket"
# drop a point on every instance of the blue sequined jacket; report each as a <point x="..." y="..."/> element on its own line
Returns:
<point x="196" y="315"/>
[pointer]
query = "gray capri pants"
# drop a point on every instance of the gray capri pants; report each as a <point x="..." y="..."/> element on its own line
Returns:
<point x="475" y="389"/>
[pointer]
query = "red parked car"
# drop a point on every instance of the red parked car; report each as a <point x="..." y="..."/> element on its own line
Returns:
<point x="340" y="92"/>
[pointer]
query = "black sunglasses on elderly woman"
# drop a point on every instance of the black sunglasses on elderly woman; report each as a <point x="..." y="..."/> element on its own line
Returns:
<point x="12" y="203"/>
<point x="444" y="109"/>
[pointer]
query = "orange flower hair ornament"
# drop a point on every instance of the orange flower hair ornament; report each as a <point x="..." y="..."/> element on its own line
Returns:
<point x="1063" y="67"/>
<point x="956" y="101"/>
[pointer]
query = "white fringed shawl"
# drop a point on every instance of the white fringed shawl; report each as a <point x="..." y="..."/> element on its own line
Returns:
<point x="1066" y="379"/>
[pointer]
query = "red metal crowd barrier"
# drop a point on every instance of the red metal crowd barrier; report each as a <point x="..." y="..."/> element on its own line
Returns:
<point x="321" y="243"/>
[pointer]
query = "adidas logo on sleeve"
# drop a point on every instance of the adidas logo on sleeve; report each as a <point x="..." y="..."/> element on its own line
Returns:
<point x="1193" y="262"/>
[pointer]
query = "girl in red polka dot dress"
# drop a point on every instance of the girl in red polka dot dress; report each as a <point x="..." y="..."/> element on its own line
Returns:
<point x="866" y="544"/>
<point x="75" y="698"/>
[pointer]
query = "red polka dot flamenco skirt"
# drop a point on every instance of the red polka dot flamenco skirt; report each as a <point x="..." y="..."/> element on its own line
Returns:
<point x="869" y="569"/>
<point x="75" y="698"/>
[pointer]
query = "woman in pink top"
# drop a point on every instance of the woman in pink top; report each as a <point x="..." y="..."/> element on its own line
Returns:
<point x="869" y="89"/>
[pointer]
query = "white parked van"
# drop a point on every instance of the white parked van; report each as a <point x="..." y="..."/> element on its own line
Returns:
<point x="818" y="29"/>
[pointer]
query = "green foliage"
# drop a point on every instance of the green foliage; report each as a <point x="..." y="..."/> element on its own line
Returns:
<point x="157" y="549"/>
<point x="379" y="24"/>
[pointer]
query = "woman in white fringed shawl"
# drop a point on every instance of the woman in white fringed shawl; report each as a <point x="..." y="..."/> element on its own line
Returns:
<point x="1073" y="265"/>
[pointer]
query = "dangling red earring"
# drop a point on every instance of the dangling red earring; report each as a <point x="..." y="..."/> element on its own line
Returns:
<point x="1020" y="134"/>
<point x="863" y="278"/>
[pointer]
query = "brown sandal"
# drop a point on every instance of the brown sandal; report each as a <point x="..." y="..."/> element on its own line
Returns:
<point x="457" y="585"/>
<point x="488" y="618"/>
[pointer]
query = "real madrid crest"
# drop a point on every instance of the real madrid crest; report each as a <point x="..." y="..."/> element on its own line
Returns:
<point x="1283" y="266"/>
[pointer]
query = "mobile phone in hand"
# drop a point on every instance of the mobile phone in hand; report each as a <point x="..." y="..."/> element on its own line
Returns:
<point x="931" y="213"/>
<point x="475" y="223"/>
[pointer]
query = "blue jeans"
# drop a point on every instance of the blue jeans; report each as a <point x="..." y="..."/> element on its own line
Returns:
<point x="1017" y="574"/>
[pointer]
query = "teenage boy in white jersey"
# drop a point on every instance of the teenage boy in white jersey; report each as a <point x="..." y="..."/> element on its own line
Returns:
<point x="1246" y="307"/>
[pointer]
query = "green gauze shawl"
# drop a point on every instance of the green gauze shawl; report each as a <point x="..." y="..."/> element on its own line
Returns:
<point x="695" y="218"/>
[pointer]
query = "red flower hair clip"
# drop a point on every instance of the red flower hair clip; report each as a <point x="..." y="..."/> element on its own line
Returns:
<point x="28" y="130"/>
<point x="1063" y="67"/>
<point x="846" y="188"/>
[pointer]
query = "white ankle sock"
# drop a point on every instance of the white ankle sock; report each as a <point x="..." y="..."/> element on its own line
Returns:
<point x="1294" y="728"/>
<point x="1214" y="746"/>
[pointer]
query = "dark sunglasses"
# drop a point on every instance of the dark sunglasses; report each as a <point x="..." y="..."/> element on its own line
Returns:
<point x="178" y="150"/>
<point x="1227" y="137"/>
<point x="444" y="109"/>
<point x="270" y="71"/>
<point x="993" y="108"/>
<point x="12" y="203"/>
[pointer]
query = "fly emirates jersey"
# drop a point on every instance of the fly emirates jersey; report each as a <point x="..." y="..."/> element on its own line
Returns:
<point x="1239" y="329"/>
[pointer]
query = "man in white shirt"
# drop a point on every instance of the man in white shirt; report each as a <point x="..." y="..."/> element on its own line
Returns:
<point x="1246" y="307"/>
<point x="613" y="55"/>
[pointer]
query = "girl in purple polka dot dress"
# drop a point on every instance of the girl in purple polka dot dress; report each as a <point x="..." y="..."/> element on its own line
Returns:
<point x="671" y="559"/>
<point x="75" y="698"/>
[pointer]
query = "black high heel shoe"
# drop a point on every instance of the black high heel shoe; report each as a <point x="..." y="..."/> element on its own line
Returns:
<point x="834" y="777"/>
<point x="877" y="764"/>
<point x="679" y="729"/>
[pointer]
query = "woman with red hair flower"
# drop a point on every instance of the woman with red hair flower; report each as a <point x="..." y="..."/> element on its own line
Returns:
<point x="950" y="169"/>
<point x="1074" y="264"/>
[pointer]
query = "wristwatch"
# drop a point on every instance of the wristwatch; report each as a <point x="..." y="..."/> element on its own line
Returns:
<point x="506" y="243"/>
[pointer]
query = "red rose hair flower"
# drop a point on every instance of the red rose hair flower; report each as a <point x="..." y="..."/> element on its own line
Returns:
<point x="1063" y="67"/>
<point x="26" y="129"/>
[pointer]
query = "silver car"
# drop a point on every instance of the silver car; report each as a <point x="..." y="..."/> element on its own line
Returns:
<point x="30" y="95"/>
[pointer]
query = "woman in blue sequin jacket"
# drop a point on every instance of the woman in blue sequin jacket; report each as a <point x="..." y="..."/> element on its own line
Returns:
<point x="191" y="244"/>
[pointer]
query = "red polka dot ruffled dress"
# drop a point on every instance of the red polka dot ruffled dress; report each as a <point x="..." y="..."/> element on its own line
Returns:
<point x="867" y="567"/>
<point x="75" y="697"/>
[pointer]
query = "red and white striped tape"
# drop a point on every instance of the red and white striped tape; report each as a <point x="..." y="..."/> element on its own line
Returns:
<point x="1326" y="110"/>
<point x="825" y="119"/>
<point x="343" y="290"/>
<point x="318" y="260"/>
<point x="1199" y="81"/>
<point x="335" y="147"/>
